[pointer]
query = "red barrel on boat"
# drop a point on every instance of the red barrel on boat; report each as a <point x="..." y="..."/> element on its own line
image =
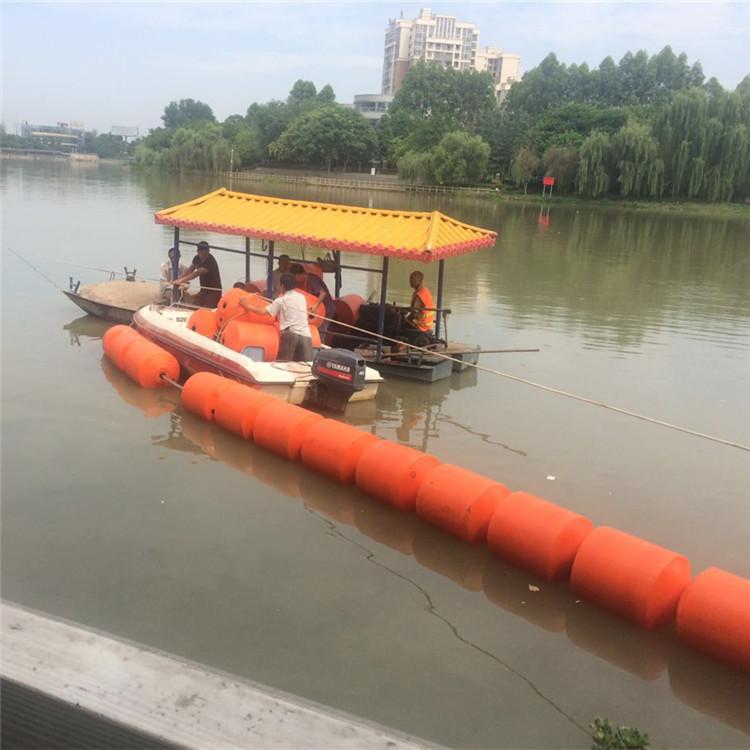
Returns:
<point x="537" y="535"/>
<point x="713" y="616"/>
<point x="201" y="393"/>
<point x="459" y="501"/>
<point x="347" y="308"/>
<point x="630" y="576"/>
<point x="237" y="408"/>
<point x="281" y="427"/>
<point x="393" y="473"/>
<point x="148" y="364"/>
<point x="239" y="335"/>
<point x="334" y="449"/>
<point x="204" y="321"/>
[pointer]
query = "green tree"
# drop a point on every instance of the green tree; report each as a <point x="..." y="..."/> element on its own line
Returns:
<point x="593" y="176"/>
<point x="247" y="148"/>
<point x="459" y="159"/>
<point x="561" y="162"/>
<point x="186" y="113"/>
<point x="329" y="136"/>
<point x="640" y="171"/>
<point x="326" y="95"/>
<point x="524" y="167"/>
<point x="269" y="120"/>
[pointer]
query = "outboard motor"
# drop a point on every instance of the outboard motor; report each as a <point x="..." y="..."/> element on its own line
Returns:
<point x="339" y="374"/>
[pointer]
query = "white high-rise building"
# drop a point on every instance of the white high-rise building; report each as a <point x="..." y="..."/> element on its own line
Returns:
<point x="445" y="41"/>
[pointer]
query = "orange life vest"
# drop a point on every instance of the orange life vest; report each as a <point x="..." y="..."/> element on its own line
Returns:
<point x="424" y="319"/>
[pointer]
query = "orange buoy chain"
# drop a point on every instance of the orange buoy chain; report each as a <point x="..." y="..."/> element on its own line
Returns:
<point x="640" y="581"/>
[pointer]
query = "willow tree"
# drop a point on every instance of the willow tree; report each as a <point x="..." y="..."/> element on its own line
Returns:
<point x="636" y="156"/>
<point x="524" y="166"/>
<point x="593" y="177"/>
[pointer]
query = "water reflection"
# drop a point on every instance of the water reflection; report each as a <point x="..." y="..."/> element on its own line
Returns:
<point x="701" y="683"/>
<point x="85" y="327"/>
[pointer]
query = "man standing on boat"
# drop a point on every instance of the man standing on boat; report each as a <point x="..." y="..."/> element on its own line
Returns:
<point x="313" y="284"/>
<point x="204" y="267"/>
<point x="422" y="314"/>
<point x="165" y="280"/>
<point x="283" y="267"/>
<point x="290" y="309"/>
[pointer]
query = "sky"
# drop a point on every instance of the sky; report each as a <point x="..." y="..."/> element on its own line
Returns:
<point x="120" y="63"/>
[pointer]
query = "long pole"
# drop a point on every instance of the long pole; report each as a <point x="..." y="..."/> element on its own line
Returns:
<point x="176" y="265"/>
<point x="247" y="259"/>
<point x="381" y="312"/>
<point x="269" y="270"/>
<point x="441" y="279"/>
<point x="337" y="259"/>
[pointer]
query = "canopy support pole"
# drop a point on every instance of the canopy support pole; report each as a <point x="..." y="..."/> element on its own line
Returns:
<point x="247" y="259"/>
<point x="441" y="278"/>
<point x="176" y="265"/>
<point x="269" y="271"/>
<point x="337" y="259"/>
<point x="381" y="312"/>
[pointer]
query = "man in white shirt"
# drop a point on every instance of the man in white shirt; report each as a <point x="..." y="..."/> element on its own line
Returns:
<point x="290" y="309"/>
<point x="165" y="280"/>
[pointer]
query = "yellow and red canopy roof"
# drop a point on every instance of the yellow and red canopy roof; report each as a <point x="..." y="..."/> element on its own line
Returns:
<point x="415" y="235"/>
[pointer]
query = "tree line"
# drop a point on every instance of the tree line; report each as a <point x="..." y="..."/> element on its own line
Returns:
<point x="647" y="127"/>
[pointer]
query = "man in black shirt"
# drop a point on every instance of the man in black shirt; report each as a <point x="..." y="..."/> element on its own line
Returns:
<point x="205" y="267"/>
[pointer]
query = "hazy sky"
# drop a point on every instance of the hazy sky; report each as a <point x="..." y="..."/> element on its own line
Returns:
<point x="120" y="63"/>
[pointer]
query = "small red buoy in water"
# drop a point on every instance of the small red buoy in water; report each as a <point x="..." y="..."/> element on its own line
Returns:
<point x="201" y="392"/>
<point x="393" y="473"/>
<point x="281" y="427"/>
<point x="204" y="321"/>
<point x="630" y="576"/>
<point x="334" y="449"/>
<point x="537" y="535"/>
<point x="459" y="501"/>
<point x="713" y="616"/>
<point x="237" y="408"/>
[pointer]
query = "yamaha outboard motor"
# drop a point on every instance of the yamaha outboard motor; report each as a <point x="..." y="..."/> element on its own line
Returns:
<point x="339" y="374"/>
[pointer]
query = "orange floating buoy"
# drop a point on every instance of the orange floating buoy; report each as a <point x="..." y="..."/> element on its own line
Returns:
<point x="201" y="392"/>
<point x="393" y="473"/>
<point x="347" y="308"/>
<point x="229" y="306"/>
<point x="334" y="449"/>
<point x="312" y="301"/>
<point x="713" y="616"/>
<point x="237" y="407"/>
<point x="537" y="535"/>
<point x="145" y="363"/>
<point x="239" y="335"/>
<point x="459" y="501"/>
<point x="281" y="428"/>
<point x="116" y="342"/>
<point x="315" y="333"/>
<point x="630" y="576"/>
<point x="204" y="321"/>
<point x="248" y="316"/>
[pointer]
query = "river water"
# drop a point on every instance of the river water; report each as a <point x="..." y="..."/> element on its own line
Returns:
<point x="124" y="514"/>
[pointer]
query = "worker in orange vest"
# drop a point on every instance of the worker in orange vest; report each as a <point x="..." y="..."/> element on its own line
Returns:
<point x="422" y="315"/>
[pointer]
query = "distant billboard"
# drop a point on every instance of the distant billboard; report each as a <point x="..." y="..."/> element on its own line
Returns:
<point x="124" y="131"/>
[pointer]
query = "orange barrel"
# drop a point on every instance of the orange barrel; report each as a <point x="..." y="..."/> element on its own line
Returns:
<point x="204" y="321"/>
<point x="239" y="335"/>
<point x="252" y="317"/>
<point x="397" y="485"/>
<point x="537" y="535"/>
<point x="145" y="363"/>
<point x="237" y="407"/>
<point x="347" y="308"/>
<point x="630" y="576"/>
<point x="281" y="428"/>
<point x="312" y="300"/>
<point x="117" y="340"/>
<point x="459" y="501"/>
<point x="334" y="448"/>
<point x="201" y="392"/>
<point x="315" y="333"/>
<point x="229" y="305"/>
<point x="713" y="616"/>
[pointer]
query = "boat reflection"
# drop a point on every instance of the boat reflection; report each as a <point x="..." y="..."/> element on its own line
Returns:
<point x="87" y="327"/>
<point x="699" y="682"/>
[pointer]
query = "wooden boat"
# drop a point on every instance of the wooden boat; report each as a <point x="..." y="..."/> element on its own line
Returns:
<point x="289" y="381"/>
<point x="114" y="300"/>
